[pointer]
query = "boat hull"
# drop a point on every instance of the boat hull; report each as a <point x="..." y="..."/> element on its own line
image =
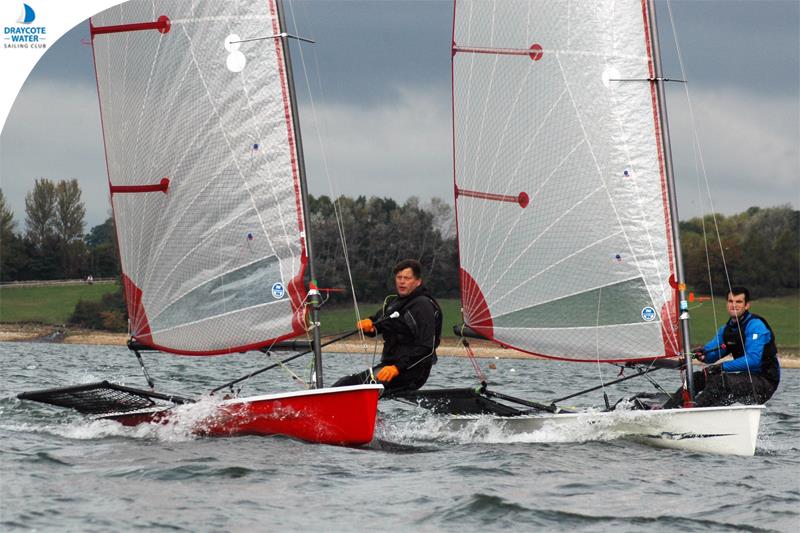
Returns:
<point x="731" y="430"/>
<point x="341" y="416"/>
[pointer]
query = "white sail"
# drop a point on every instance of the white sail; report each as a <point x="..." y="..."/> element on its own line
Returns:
<point x="563" y="221"/>
<point x="214" y="263"/>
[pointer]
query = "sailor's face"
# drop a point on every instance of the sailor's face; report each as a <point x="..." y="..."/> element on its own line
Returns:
<point x="405" y="282"/>
<point x="736" y="305"/>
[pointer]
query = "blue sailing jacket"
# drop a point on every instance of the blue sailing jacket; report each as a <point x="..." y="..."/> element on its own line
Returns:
<point x="757" y="337"/>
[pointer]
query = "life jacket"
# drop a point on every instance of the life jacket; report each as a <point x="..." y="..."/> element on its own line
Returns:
<point x="734" y="338"/>
<point x="397" y="333"/>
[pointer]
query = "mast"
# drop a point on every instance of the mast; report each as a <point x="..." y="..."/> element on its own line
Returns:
<point x="683" y="318"/>
<point x="313" y="293"/>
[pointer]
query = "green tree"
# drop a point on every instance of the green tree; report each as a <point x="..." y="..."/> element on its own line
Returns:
<point x="68" y="225"/>
<point x="771" y="237"/>
<point x="759" y="248"/>
<point x="103" y="257"/>
<point x="40" y="211"/>
<point x="110" y="313"/>
<point x="379" y="232"/>
<point x="70" y="211"/>
<point x="6" y="220"/>
<point x="13" y="260"/>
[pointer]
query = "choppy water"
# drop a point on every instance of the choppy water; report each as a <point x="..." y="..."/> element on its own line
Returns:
<point x="61" y="472"/>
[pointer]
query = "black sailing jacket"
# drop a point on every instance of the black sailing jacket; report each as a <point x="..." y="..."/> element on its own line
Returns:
<point x="412" y="337"/>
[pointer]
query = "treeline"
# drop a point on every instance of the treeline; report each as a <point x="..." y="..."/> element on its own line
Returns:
<point x="379" y="232"/>
<point x="759" y="248"/>
<point x="53" y="244"/>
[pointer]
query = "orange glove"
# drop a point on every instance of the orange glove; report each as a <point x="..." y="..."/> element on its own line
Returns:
<point x="365" y="325"/>
<point x="388" y="373"/>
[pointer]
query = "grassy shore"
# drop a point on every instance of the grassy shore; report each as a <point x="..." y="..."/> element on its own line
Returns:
<point x="52" y="305"/>
<point x="49" y="304"/>
<point x="783" y="315"/>
<point x="343" y="318"/>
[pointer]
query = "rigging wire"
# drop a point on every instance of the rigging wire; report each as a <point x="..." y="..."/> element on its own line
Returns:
<point x="699" y="159"/>
<point x="597" y="348"/>
<point x="700" y="168"/>
<point x="324" y="158"/>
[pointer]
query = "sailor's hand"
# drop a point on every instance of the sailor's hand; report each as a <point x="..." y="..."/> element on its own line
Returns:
<point x="712" y="370"/>
<point x="388" y="373"/>
<point x="699" y="353"/>
<point x="366" y="326"/>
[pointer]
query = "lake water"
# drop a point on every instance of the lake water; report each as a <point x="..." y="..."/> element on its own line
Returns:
<point x="60" y="471"/>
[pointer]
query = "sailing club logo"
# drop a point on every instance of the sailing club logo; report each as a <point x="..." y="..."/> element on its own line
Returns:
<point x="24" y="34"/>
<point x="648" y="314"/>
<point x="278" y="291"/>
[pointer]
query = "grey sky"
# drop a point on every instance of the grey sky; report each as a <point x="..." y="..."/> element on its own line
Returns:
<point x="380" y="79"/>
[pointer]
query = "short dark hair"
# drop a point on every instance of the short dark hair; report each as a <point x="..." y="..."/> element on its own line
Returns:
<point x="413" y="264"/>
<point x="741" y="290"/>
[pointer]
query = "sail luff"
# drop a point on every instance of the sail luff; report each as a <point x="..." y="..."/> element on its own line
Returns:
<point x="298" y="147"/>
<point x="683" y="317"/>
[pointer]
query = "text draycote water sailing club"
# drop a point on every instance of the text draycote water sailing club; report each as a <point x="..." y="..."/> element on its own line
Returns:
<point x="25" y="34"/>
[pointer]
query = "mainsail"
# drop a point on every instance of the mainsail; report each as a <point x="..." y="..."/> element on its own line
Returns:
<point x="563" y="221"/>
<point x="203" y="172"/>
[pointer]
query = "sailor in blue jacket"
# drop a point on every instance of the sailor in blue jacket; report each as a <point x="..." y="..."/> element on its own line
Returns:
<point x="753" y="374"/>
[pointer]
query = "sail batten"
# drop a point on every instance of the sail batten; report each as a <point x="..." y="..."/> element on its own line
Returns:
<point x="537" y="107"/>
<point x="215" y="263"/>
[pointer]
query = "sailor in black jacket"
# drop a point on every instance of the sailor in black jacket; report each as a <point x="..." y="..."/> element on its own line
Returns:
<point x="411" y="327"/>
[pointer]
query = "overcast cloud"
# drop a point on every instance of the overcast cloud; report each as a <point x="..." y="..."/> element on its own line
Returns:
<point x="380" y="76"/>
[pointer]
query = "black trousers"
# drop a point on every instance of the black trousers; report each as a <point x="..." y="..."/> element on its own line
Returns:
<point x="727" y="388"/>
<point x="408" y="380"/>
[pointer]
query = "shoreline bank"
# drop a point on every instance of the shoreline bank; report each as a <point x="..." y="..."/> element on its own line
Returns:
<point x="450" y="347"/>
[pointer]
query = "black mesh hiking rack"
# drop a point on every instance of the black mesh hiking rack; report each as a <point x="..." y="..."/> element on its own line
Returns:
<point x="102" y="398"/>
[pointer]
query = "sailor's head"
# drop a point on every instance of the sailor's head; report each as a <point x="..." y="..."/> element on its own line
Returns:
<point x="738" y="301"/>
<point x="407" y="276"/>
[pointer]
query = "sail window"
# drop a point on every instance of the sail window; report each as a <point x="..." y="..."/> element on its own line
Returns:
<point x="616" y="304"/>
<point x="242" y="288"/>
